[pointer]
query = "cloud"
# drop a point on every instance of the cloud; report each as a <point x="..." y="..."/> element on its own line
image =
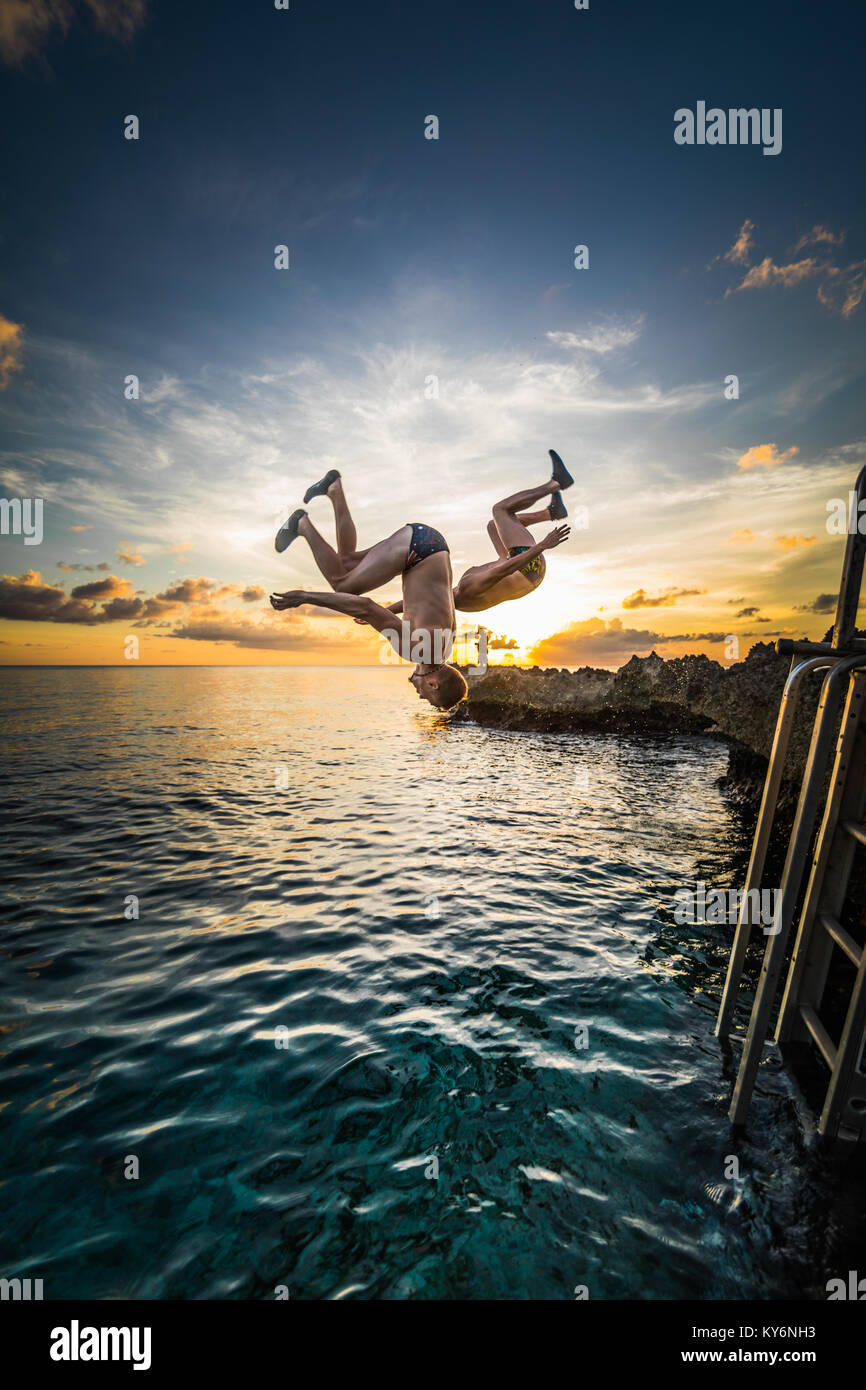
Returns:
<point x="818" y="236"/>
<point x="104" y="565"/>
<point x="112" y="587"/>
<point x="79" y="528"/>
<point x="741" y="251"/>
<point x="750" y="613"/>
<point x="844" y="289"/>
<point x="582" y="643"/>
<point x="290" y="419"/>
<point x="501" y="644"/>
<point x="607" y="336"/>
<point x="764" y="456"/>
<point x="26" y="26"/>
<point x="824" y="603"/>
<point x="839" y="288"/>
<point x="767" y="274"/>
<point x="288" y="636"/>
<point x="742" y="537"/>
<point x="641" y="599"/>
<point x="120" y="18"/>
<point x="156" y="610"/>
<point x="28" y="599"/>
<point x="793" y="542"/>
<point x="189" y="591"/>
<point x="120" y="609"/>
<point x="11" y="350"/>
<point x="128" y="556"/>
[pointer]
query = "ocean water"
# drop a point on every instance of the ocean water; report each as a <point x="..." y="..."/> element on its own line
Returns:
<point x="375" y="1005"/>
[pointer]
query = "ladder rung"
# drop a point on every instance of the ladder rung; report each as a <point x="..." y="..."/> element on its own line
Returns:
<point x="858" y="831"/>
<point x="845" y="942"/>
<point x="825" y="1043"/>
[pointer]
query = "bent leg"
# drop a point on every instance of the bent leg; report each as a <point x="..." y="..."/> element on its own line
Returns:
<point x="511" y="527"/>
<point x="498" y="544"/>
<point x="331" y="566"/>
<point x="347" y="536"/>
<point x="381" y="563"/>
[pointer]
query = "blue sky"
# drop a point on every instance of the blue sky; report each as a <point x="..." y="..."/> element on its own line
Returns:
<point x="412" y="257"/>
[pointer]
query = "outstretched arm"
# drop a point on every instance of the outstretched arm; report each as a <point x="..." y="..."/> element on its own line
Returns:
<point x="353" y="605"/>
<point x="499" y="569"/>
<point x="394" y="608"/>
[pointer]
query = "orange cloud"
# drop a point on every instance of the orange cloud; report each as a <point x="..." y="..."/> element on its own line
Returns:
<point x="29" y="599"/>
<point x="111" y="587"/>
<point x="112" y="599"/>
<point x="817" y="236"/>
<point x="641" y="599"/>
<point x="739" y="253"/>
<point x="11" y="350"/>
<point x="766" y="273"/>
<point x="129" y="557"/>
<point x="593" y="641"/>
<point x="840" y="288"/>
<point x="251" y="594"/>
<point x="742" y="537"/>
<point x="297" y="633"/>
<point x="27" y="25"/>
<point x="793" y="542"/>
<point x="764" y="456"/>
<point x="844" y="289"/>
<point x="190" y="591"/>
<point x="79" y="528"/>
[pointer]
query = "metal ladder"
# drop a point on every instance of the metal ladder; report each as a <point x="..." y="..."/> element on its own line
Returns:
<point x="842" y="828"/>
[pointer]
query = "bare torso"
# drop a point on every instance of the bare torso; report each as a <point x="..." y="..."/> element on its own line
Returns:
<point x="473" y="595"/>
<point x="428" y="602"/>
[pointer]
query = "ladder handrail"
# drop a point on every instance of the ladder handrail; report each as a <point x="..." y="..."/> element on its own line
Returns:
<point x="848" y="734"/>
<point x="766" y="816"/>
<point x="852" y="571"/>
<point x="792" y="877"/>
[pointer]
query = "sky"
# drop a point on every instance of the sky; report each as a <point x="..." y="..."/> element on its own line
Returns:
<point x="431" y="337"/>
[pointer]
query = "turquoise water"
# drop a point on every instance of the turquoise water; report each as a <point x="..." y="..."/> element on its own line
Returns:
<point x="365" y="940"/>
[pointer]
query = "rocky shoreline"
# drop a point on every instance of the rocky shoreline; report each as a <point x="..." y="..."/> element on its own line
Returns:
<point x="737" y="704"/>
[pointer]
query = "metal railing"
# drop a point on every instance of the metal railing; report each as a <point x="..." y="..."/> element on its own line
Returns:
<point x="843" y="654"/>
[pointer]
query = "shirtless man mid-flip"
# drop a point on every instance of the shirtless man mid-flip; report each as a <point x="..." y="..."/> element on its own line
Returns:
<point x="520" y="567"/>
<point x="418" y="553"/>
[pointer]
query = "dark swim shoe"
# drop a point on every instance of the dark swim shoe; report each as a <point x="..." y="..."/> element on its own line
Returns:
<point x="319" y="489"/>
<point x="288" y="532"/>
<point x="557" y="507"/>
<point x="561" y="474"/>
